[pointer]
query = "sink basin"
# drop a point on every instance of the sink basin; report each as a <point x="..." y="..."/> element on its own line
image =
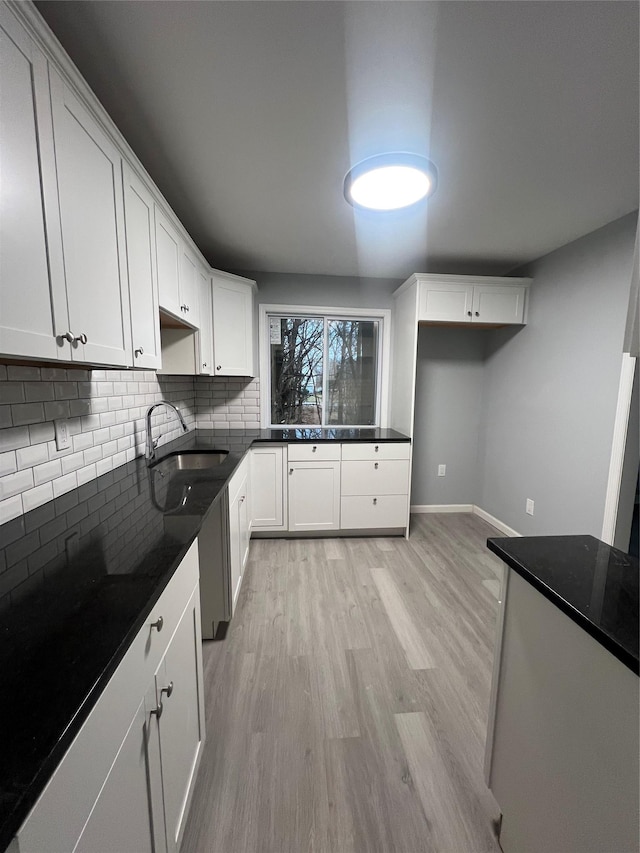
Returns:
<point x="197" y="461"/>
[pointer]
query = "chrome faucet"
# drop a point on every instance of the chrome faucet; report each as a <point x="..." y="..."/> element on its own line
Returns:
<point x="150" y="449"/>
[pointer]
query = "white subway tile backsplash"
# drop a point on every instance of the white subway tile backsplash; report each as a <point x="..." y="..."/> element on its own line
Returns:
<point x="27" y="413"/>
<point x="48" y="471"/>
<point x="36" y="454"/>
<point x="105" y="411"/>
<point x="36" y="497"/>
<point x="14" y="484"/>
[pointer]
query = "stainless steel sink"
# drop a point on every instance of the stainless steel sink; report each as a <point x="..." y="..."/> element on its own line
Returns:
<point x="190" y="461"/>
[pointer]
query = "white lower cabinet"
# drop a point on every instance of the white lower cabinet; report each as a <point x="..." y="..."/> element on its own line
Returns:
<point x="367" y="512"/>
<point x="125" y="782"/>
<point x="239" y="528"/>
<point x="314" y="496"/>
<point x="268" y="487"/>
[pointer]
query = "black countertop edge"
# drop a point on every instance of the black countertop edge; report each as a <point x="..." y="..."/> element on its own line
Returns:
<point x="321" y="435"/>
<point x="625" y="650"/>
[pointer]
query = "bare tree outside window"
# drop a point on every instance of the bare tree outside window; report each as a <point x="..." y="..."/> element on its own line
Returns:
<point x="323" y="371"/>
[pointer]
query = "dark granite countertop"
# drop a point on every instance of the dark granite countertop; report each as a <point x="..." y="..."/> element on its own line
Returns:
<point x="78" y="577"/>
<point x="594" y="584"/>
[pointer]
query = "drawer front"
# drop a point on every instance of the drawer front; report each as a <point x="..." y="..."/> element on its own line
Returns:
<point x="387" y="477"/>
<point x="364" y="512"/>
<point x="385" y="450"/>
<point x="308" y="452"/>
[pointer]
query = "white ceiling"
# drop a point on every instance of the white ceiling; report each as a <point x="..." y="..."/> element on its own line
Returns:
<point x="249" y="114"/>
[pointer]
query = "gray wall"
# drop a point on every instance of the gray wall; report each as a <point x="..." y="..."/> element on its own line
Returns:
<point x="323" y="290"/>
<point x="550" y="391"/>
<point x="449" y="383"/>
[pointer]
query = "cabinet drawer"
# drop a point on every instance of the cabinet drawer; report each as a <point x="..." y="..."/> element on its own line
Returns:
<point x="363" y="512"/>
<point x="387" y="477"/>
<point x="385" y="450"/>
<point x="327" y="452"/>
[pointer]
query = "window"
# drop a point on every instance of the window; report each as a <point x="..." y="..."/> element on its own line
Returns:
<point x="323" y="369"/>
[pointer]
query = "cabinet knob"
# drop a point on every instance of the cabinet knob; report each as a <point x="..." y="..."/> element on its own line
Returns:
<point x="82" y="338"/>
<point x="204" y="363"/>
<point x="375" y="501"/>
<point x="138" y="352"/>
<point x="291" y="470"/>
<point x="469" y="313"/>
<point x="158" y="624"/>
<point x="477" y="313"/>
<point x="183" y="307"/>
<point x="74" y="339"/>
<point x="218" y="367"/>
<point x="158" y="711"/>
<point x="376" y="448"/>
<point x="168" y="690"/>
<point x="375" y="465"/>
<point x="314" y="448"/>
<point x="186" y="307"/>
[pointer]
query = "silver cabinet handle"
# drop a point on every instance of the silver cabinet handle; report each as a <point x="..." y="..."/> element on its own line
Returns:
<point x="469" y="313"/>
<point x="138" y="352"/>
<point x="158" y="624"/>
<point x="68" y="336"/>
<point x="314" y="448"/>
<point x="218" y="367"/>
<point x="82" y="338"/>
<point x="168" y="690"/>
<point x="74" y="339"/>
<point x="204" y="363"/>
<point x="291" y="470"/>
<point x="377" y="448"/>
<point x="375" y="465"/>
<point x="158" y="711"/>
<point x="183" y="307"/>
<point x="375" y="501"/>
<point x="477" y="313"/>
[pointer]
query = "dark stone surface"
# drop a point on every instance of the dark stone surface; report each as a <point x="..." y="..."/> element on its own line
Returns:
<point x="78" y="577"/>
<point x="594" y="584"/>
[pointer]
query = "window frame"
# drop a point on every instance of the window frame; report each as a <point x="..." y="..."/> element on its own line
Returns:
<point x="381" y="315"/>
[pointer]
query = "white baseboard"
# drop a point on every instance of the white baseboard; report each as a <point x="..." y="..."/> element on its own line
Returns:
<point x="495" y="522"/>
<point x="476" y="510"/>
<point x="422" y="508"/>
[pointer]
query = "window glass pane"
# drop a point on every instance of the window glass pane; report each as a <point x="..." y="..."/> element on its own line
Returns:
<point x="296" y="346"/>
<point x="351" y="372"/>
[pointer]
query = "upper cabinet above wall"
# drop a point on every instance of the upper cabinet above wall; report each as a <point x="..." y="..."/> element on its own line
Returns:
<point x="233" y="325"/>
<point x="467" y="299"/>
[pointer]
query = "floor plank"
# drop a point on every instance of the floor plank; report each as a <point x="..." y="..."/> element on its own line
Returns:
<point x="347" y="706"/>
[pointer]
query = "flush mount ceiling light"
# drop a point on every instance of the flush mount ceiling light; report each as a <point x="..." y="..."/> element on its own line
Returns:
<point x="390" y="181"/>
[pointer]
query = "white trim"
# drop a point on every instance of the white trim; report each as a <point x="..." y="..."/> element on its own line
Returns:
<point x="618" y="444"/>
<point x="495" y="522"/>
<point x="425" y="508"/>
<point x="476" y="510"/>
<point x="383" y="314"/>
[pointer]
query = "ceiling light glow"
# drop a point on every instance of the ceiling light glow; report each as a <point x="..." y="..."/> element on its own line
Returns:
<point x="390" y="181"/>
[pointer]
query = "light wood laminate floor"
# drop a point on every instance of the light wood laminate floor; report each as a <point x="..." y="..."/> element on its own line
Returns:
<point x="347" y="706"/>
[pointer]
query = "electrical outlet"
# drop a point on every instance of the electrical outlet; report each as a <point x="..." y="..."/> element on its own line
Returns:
<point x="442" y="470"/>
<point x="63" y="439"/>
<point x="529" y="506"/>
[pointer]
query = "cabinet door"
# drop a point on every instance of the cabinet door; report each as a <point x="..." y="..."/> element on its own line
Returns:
<point x="445" y="303"/>
<point x="238" y="539"/>
<point x="267" y="487"/>
<point x="141" y="267"/>
<point x="179" y="687"/>
<point x="205" y="334"/>
<point x="495" y="304"/>
<point x="125" y="816"/>
<point x="314" y="495"/>
<point x="232" y="327"/>
<point x="89" y="173"/>
<point x="29" y="219"/>
<point x="168" y="250"/>
<point x="189" y="286"/>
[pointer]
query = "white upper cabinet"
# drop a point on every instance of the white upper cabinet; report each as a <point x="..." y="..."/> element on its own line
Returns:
<point x="465" y="299"/>
<point x="233" y="325"/>
<point x="177" y="272"/>
<point x="88" y="166"/>
<point x="29" y="222"/>
<point x="189" y="286"/>
<point x="141" y="267"/>
<point x="168" y="253"/>
<point x="205" y="334"/>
